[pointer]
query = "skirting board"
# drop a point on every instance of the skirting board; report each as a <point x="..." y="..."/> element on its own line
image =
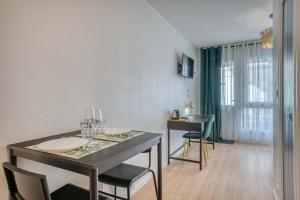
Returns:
<point x="227" y="138"/>
<point x="275" y="196"/>
<point x="145" y="180"/>
<point x="226" y="141"/>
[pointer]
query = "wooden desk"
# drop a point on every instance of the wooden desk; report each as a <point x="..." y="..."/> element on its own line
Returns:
<point x="194" y="124"/>
<point x="93" y="164"/>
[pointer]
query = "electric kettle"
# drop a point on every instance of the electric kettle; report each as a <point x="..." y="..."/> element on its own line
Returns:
<point x="175" y="114"/>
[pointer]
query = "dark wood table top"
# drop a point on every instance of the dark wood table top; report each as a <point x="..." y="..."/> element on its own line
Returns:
<point x="102" y="160"/>
<point x="193" y="119"/>
<point x="194" y="123"/>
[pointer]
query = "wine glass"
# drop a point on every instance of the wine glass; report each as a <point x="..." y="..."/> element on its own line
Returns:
<point x="99" y="119"/>
<point x="92" y="119"/>
<point x="96" y="120"/>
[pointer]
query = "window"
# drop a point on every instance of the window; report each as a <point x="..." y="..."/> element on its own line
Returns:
<point x="258" y="93"/>
<point x="227" y="84"/>
<point x="247" y="92"/>
<point x="259" y="83"/>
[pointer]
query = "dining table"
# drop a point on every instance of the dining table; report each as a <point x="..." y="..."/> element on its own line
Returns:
<point x="192" y="123"/>
<point x="93" y="164"/>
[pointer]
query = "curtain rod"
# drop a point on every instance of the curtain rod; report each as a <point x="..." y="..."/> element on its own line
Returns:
<point x="250" y="42"/>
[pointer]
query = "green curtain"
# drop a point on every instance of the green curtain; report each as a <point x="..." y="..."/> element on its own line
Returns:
<point x="210" y="86"/>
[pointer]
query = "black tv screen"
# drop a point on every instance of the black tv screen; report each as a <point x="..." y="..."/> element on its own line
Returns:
<point x="187" y="67"/>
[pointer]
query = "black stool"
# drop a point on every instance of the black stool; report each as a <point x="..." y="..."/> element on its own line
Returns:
<point x="124" y="175"/>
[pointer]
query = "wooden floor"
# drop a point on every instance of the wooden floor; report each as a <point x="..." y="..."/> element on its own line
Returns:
<point x="234" y="172"/>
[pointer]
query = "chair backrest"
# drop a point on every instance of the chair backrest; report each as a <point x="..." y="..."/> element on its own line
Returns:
<point x="208" y="127"/>
<point x="25" y="185"/>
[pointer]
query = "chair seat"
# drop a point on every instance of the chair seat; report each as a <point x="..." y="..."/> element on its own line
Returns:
<point x="192" y="135"/>
<point x="123" y="175"/>
<point x="73" y="192"/>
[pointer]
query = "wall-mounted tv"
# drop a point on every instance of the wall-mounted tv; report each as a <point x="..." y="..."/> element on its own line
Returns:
<point x="186" y="68"/>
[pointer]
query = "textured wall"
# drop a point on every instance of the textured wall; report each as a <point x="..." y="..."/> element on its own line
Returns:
<point x="57" y="58"/>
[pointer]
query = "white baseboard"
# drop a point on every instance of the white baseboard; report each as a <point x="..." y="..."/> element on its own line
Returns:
<point x="227" y="138"/>
<point x="275" y="195"/>
<point x="145" y="180"/>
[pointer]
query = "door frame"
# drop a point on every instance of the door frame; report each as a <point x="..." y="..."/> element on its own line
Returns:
<point x="296" y="44"/>
<point x="288" y="105"/>
<point x="278" y="106"/>
<point x="278" y="145"/>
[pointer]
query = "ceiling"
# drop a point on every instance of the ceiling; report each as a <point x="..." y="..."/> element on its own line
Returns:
<point x="211" y="22"/>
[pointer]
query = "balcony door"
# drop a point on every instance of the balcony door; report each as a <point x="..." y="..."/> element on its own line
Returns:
<point x="247" y="93"/>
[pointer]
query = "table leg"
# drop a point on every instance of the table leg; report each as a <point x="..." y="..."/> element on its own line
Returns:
<point x="12" y="158"/>
<point x="200" y="153"/>
<point x="94" y="184"/>
<point x="13" y="161"/>
<point x="214" y="138"/>
<point x="159" y="170"/>
<point x="169" y="146"/>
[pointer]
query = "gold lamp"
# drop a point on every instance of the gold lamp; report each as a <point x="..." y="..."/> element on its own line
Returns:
<point x="266" y="37"/>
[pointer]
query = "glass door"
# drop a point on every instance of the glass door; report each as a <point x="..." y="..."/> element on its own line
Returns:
<point x="247" y="93"/>
<point x="227" y="100"/>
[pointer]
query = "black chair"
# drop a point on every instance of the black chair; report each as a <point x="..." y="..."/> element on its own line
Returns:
<point x="25" y="185"/>
<point x="124" y="175"/>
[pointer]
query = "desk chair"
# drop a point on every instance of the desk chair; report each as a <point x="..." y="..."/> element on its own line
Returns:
<point x="197" y="136"/>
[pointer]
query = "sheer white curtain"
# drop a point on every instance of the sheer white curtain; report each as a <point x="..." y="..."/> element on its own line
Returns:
<point x="247" y="92"/>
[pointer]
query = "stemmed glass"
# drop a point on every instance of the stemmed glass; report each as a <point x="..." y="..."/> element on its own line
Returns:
<point x="96" y="120"/>
<point x="100" y="120"/>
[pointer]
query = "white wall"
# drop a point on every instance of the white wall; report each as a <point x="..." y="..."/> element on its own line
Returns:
<point x="57" y="58"/>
